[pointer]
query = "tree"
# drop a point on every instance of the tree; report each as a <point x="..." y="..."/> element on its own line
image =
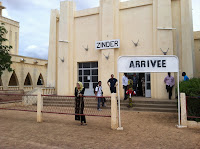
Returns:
<point x="5" y="58"/>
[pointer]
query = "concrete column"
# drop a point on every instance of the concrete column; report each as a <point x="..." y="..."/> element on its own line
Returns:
<point x="188" y="61"/>
<point x="183" y="110"/>
<point x="52" y="61"/>
<point x="65" y="48"/>
<point x="162" y="18"/>
<point x="114" y="116"/>
<point x="109" y="28"/>
<point x="39" y="107"/>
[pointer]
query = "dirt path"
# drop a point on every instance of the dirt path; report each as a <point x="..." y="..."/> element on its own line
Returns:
<point x="141" y="130"/>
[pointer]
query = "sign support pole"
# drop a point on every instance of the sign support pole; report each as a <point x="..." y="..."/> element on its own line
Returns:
<point x="120" y="127"/>
<point x="179" y="108"/>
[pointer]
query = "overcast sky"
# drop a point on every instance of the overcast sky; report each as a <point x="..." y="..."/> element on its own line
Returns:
<point x="34" y="18"/>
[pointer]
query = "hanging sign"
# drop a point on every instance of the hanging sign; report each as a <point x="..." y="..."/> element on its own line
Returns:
<point x="148" y="64"/>
<point x="107" y="44"/>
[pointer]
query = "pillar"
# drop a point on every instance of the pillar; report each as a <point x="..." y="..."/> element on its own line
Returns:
<point x="188" y="61"/>
<point x="51" y="70"/>
<point x="65" y="48"/>
<point x="162" y="18"/>
<point x="114" y="116"/>
<point x="39" y="107"/>
<point x="183" y="110"/>
<point x="109" y="28"/>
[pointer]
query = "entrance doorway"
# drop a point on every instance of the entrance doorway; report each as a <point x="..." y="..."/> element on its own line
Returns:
<point x="88" y="75"/>
<point x="141" y="83"/>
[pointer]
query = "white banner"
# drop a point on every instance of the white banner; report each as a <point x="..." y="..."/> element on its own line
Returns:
<point x="148" y="64"/>
<point x="107" y="44"/>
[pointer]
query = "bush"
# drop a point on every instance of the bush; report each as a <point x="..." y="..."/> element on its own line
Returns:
<point x="191" y="87"/>
<point x="193" y="109"/>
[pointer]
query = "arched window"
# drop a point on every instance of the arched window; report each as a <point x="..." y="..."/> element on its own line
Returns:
<point x="28" y="80"/>
<point x="40" y="80"/>
<point x="13" y="80"/>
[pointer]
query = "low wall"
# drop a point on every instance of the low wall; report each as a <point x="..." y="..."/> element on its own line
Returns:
<point x="11" y="91"/>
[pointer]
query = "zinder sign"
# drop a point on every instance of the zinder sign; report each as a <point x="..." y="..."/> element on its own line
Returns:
<point x="107" y="44"/>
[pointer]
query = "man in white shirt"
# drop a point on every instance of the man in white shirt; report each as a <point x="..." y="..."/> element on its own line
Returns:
<point x="125" y="84"/>
<point x="99" y="95"/>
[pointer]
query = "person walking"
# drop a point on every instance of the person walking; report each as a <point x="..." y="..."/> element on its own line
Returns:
<point x="185" y="77"/>
<point x="112" y="83"/>
<point x="125" y="84"/>
<point x="79" y="103"/>
<point x="170" y="82"/>
<point x="99" y="95"/>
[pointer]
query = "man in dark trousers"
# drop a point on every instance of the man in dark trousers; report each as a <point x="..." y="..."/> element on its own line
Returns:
<point x="170" y="82"/>
<point x="112" y="83"/>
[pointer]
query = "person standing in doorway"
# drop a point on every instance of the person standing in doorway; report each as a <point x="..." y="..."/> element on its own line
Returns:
<point x="99" y="95"/>
<point x="79" y="103"/>
<point x="170" y="82"/>
<point x="185" y="77"/>
<point x="143" y="86"/>
<point x="135" y="82"/>
<point x="112" y="83"/>
<point x="125" y="84"/>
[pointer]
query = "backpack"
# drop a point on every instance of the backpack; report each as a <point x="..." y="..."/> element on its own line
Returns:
<point x="94" y="90"/>
<point x="98" y="89"/>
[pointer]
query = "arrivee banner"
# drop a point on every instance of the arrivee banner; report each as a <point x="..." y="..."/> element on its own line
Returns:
<point x="148" y="64"/>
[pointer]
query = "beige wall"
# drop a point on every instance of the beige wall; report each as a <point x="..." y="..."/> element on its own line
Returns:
<point x="13" y="33"/>
<point x="85" y="27"/>
<point x="128" y="21"/>
<point x="197" y="53"/>
<point x="33" y="66"/>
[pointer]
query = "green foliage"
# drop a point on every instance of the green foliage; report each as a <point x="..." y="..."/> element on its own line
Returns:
<point x="5" y="58"/>
<point x="191" y="87"/>
<point x="193" y="110"/>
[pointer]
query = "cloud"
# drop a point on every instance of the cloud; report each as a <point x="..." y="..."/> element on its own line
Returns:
<point x="5" y="13"/>
<point x="35" y="51"/>
<point x="196" y="15"/>
<point x="34" y="18"/>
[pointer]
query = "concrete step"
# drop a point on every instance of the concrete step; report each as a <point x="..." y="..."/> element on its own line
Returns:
<point x="149" y="109"/>
<point x="152" y="102"/>
<point x="155" y="105"/>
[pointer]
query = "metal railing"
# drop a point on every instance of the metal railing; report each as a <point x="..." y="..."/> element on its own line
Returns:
<point x="66" y="105"/>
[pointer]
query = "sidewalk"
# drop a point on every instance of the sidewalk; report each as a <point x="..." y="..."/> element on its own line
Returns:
<point x="141" y="130"/>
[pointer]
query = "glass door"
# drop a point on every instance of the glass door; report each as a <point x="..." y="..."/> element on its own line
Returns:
<point x="88" y="75"/>
<point x="147" y="85"/>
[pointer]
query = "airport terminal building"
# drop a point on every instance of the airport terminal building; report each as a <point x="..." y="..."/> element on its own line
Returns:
<point x="85" y="45"/>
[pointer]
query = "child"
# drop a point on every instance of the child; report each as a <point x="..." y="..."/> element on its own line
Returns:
<point x="130" y="92"/>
